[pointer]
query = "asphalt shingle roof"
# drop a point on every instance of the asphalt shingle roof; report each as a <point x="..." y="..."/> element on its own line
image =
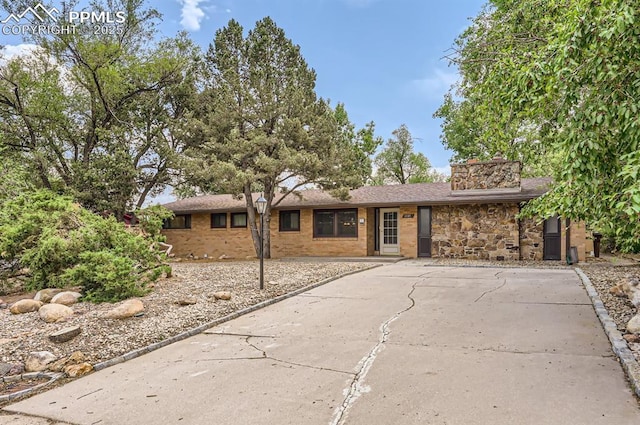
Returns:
<point x="370" y="196"/>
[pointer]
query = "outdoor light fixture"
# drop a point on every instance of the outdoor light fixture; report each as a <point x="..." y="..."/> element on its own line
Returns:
<point x="261" y="206"/>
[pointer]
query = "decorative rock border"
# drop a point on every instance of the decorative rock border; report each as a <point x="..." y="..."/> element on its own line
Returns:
<point x="619" y="345"/>
<point x="30" y="375"/>
<point x="195" y="331"/>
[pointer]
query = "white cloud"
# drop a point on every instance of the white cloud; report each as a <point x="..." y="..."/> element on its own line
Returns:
<point x="443" y="170"/>
<point x="436" y="84"/>
<point x="192" y="14"/>
<point x="9" y="51"/>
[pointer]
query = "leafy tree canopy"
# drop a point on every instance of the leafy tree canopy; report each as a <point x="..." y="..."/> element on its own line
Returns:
<point x="261" y="127"/>
<point x="555" y="84"/>
<point x="95" y="114"/>
<point x="398" y="163"/>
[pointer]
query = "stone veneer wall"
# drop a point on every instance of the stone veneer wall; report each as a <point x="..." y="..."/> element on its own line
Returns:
<point x="497" y="174"/>
<point x="531" y="240"/>
<point x="485" y="231"/>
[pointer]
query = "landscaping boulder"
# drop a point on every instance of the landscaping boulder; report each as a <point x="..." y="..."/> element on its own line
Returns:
<point x="25" y="306"/>
<point x="74" y="358"/>
<point x="45" y="295"/>
<point x="187" y="301"/>
<point x="38" y="361"/>
<point x="222" y="295"/>
<point x="76" y="370"/>
<point x="633" y="326"/>
<point x="632" y="338"/>
<point x="54" y="312"/>
<point x="66" y="334"/>
<point x="128" y="308"/>
<point x="66" y="298"/>
<point x="10" y="369"/>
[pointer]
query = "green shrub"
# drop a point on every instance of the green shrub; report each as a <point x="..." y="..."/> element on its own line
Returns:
<point x="63" y="244"/>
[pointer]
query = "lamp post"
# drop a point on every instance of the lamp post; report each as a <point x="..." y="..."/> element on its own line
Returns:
<point x="261" y="206"/>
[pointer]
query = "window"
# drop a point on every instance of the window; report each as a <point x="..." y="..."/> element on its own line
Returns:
<point x="289" y="221"/>
<point x="219" y="220"/>
<point x="238" y="219"/>
<point x="182" y="221"/>
<point x="335" y="223"/>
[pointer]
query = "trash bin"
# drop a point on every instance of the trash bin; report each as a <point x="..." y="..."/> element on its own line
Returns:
<point x="596" y="244"/>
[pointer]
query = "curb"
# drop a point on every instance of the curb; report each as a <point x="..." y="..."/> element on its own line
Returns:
<point x="195" y="331"/>
<point x="29" y="375"/>
<point x="618" y="344"/>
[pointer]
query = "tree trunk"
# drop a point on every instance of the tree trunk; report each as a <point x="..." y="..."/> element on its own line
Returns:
<point x="253" y="219"/>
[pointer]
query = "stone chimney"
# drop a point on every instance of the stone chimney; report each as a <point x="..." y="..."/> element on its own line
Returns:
<point x="497" y="174"/>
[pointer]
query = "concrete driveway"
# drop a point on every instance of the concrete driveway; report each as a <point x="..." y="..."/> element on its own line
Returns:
<point x="405" y="343"/>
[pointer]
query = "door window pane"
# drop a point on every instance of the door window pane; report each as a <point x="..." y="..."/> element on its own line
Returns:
<point x="552" y="225"/>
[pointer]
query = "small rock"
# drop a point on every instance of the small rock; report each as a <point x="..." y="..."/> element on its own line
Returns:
<point x="76" y="357"/>
<point x="222" y="257"/>
<point x="45" y="295"/>
<point x="222" y="295"/>
<point x="632" y="338"/>
<point x="25" y="306"/>
<point x="54" y="312"/>
<point x="128" y="308"/>
<point x="66" y="334"/>
<point x="76" y="370"/>
<point x="38" y="361"/>
<point x="66" y="298"/>
<point x="3" y="305"/>
<point x="187" y="301"/>
<point x="633" y="326"/>
<point x="10" y="369"/>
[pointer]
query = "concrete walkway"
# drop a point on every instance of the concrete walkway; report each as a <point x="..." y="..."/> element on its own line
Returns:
<point x="401" y="344"/>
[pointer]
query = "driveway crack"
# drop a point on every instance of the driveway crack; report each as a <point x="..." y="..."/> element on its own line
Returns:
<point x="326" y="369"/>
<point x="490" y="290"/>
<point x="357" y="387"/>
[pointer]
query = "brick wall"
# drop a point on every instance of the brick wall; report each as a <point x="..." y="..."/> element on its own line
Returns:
<point x="202" y="240"/>
<point x="303" y="244"/>
<point x="408" y="231"/>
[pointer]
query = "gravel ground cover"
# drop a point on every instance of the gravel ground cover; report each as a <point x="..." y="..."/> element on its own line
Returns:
<point x="603" y="278"/>
<point x="103" y="339"/>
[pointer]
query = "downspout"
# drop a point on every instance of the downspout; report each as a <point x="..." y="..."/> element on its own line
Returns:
<point x="567" y="226"/>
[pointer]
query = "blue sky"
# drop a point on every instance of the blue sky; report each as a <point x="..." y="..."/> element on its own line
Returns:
<point x="381" y="58"/>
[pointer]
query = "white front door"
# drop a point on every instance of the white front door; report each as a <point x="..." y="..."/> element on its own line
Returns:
<point x="389" y="235"/>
